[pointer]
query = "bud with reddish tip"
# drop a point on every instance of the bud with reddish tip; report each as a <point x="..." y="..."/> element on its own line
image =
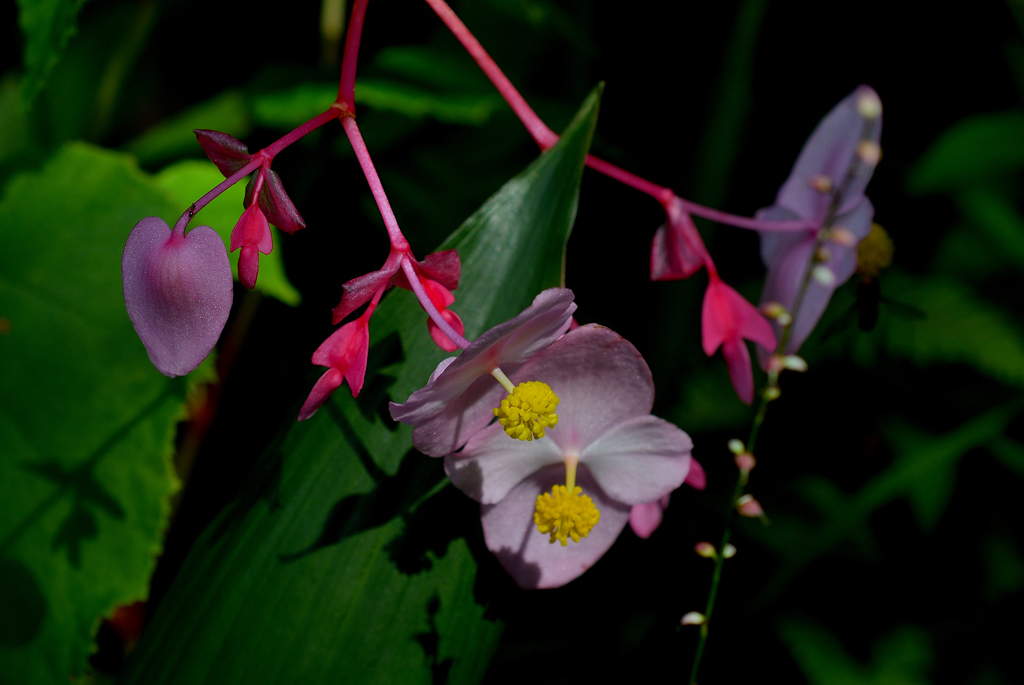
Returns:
<point x="177" y="290"/>
<point x="692" y="618"/>
<point x="749" y="507"/>
<point x="706" y="550"/>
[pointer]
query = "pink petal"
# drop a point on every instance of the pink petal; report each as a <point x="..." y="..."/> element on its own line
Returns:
<point x="601" y="382"/>
<point x="248" y="266"/>
<point x="644" y="519"/>
<point x="677" y="250"/>
<point x="360" y="290"/>
<point x="346" y="350"/>
<point x="439" y="295"/>
<point x="737" y="358"/>
<point x="443" y="267"/>
<point x="640" y="460"/>
<point x="525" y="552"/>
<point x="438" y="336"/>
<point x="252" y="229"/>
<point x="491" y="463"/>
<point x="227" y="152"/>
<point x="328" y="383"/>
<point x="696" y="478"/>
<point x="458" y="402"/>
<point x="177" y="292"/>
<point x="726" y="315"/>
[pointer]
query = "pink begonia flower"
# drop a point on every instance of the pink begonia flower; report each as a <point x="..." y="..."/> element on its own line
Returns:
<point x="252" y="234"/>
<point x="677" y="250"/>
<point x="177" y="290"/>
<point x="458" y="399"/>
<point x="826" y="185"/>
<point x="726" y="319"/>
<point x="605" y="443"/>
<point x="441" y="297"/>
<point x="644" y="519"/>
<point x="344" y="353"/>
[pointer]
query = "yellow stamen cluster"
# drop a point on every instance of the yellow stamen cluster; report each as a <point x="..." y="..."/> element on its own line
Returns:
<point x="565" y="513"/>
<point x="874" y="252"/>
<point x="528" y="410"/>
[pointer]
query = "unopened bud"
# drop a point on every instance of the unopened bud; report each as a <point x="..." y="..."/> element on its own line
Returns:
<point x="794" y="363"/>
<point x="749" y="507"/>
<point x="775" y="364"/>
<point x="869" y="106"/>
<point x="842" y="236"/>
<point x="821" y="183"/>
<point x="705" y="549"/>
<point x="823" y="255"/>
<point x="745" y="462"/>
<point x="736" y="446"/>
<point x="869" y="152"/>
<point x="823" y="275"/>
<point x="728" y="552"/>
<point x="774" y="310"/>
<point x="692" y="618"/>
<point x="772" y="392"/>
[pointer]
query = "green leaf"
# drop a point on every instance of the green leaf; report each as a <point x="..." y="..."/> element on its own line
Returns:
<point x="336" y="561"/>
<point x="227" y="113"/>
<point x="971" y="150"/>
<point x="187" y="181"/>
<point x="902" y="657"/>
<point x="998" y="219"/>
<point x="48" y="26"/>
<point x="86" y="423"/>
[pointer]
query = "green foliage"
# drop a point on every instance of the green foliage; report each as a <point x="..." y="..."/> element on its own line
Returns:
<point x="86" y="422"/>
<point x="903" y="657"/>
<point x="972" y="150"/>
<point x="227" y="113"/>
<point x="47" y="25"/>
<point x="998" y="220"/>
<point x="186" y="182"/>
<point x="335" y="560"/>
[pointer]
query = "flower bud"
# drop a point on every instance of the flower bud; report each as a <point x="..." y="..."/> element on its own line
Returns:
<point x="794" y="363"/>
<point x="822" y="183"/>
<point x="749" y="507"/>
<point x="745" y="462"/>
<point x="692" y="618"/>
<point x="177" y="290"/>
<point x="868" y="105"/>
<point x="736" y="446"/>
<point x="869" y="152"/>
<point x="823" y="275"/>
<point x="728" y="552"/>
<point x="842" y="236"/>
<point x="705" y="549"/>
<point x="772" y="392"/>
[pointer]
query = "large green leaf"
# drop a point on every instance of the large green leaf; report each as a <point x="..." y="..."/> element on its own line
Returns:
<point x="189" y="180"/>
<point x="86" y="422"/>
<point x="48" y="26"/>
<point x="336" y="563"/>
<point x="970" y="151"/>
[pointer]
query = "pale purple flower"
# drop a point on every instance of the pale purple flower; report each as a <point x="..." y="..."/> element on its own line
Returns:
<point x="177" y="290"/>
<point x="459" y="396"/>
<point x="826" y="185"/>
<point x="605" y="437"/>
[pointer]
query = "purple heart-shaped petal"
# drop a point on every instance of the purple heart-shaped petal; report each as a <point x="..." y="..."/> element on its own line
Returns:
<point x="177" y="290"/>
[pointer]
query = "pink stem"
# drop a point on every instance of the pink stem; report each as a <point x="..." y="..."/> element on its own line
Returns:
<point x="398" y="241"/>
<point x="538" y="130"/>
<point x="428" y="306"/>
<point x="545" y="137"/>
<point x="316" y="122"/>
<point x="347" y="87"/>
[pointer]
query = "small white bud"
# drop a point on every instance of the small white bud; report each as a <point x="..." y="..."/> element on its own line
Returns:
<point x="728" y="552"/>
<point x="794" y="363"/>
<point x="736" y="446"/>
<point x="772" y="393"/>
<point x="692" y="618"/>
<point x="869" y="106"/>
<point x="823" y="275"/>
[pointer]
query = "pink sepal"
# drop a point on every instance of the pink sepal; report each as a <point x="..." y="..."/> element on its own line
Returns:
<point x="227" y="152"/>
<point x="345" y="353"/>
<point x="726" y="319"/>
<point x="677" y="250"/>
<point x="274" y="202"/>
<point x="696" y="478"/>
<point x="644" y="519"/>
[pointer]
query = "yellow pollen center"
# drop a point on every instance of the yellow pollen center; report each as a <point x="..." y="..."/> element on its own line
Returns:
<point x="565" y="513"/>
<point x="528" y="410"/>
<point x="874" y="252"/>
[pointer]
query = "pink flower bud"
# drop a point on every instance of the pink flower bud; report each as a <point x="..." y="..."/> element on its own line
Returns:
<point x="749" y="507"/>
<point x="705" y="549"/>
<point x="692" y="618"/>
<point x="745" y="462"/>
<point x="177" y="290"/>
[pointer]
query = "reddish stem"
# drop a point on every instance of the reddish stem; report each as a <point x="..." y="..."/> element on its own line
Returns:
<point x="545" y="137"/>
<point x="428" y="305"/>
<point x="398" y="241"/>
<point x="347" y="88"/>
